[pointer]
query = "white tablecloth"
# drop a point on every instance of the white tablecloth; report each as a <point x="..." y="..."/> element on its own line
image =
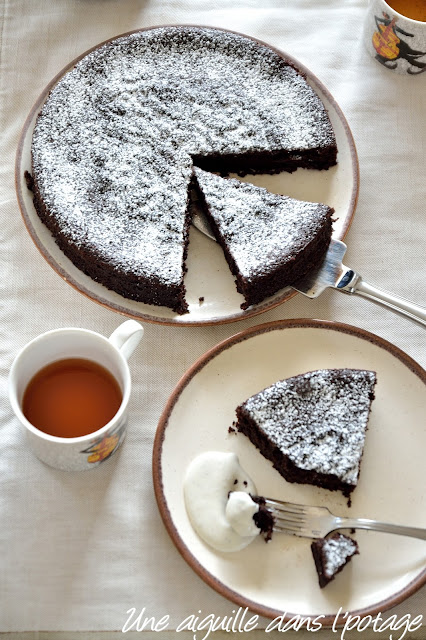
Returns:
<point x="78" y="551"/>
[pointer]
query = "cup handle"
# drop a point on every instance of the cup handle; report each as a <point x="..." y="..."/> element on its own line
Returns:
<point x="127" y="337"/>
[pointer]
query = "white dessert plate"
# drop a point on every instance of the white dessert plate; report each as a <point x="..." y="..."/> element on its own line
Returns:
<point x="280" y="576"/>
<point x="211" y="292"/>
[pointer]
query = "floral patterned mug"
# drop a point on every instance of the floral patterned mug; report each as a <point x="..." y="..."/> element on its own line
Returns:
<point x="88" y="451"/>
<point x="395" y="40"/>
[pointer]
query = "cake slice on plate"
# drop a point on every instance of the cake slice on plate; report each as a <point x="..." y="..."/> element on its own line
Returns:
<point x="331" y="555"/>
<point x="312" y="426"/>
<point x="269" y="240"/>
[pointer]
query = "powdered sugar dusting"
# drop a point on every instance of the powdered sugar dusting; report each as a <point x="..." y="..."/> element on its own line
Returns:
<point x="318" y="419"/>
<point x="113" y="146"/>
<point x="336" y="551"/>
<point x="261" y="229"/>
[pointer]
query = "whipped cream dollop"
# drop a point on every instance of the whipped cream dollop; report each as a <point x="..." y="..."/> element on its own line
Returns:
<point x="217" y="500"/>
<point x="239" y="512"/>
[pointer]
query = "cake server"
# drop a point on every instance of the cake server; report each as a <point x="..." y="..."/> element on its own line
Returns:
<point x="333" y="273"/>
<point x="318" y="522"/>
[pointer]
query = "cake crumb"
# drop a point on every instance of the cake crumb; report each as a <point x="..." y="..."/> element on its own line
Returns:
<point x="29" y="180"/>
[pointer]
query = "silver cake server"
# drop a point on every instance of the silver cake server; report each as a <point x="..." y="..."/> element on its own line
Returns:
<point x="332" y="273"/>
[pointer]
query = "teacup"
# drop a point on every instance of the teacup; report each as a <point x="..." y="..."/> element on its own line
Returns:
<point x="393" y="38"/>
<point x="87" y="451"/>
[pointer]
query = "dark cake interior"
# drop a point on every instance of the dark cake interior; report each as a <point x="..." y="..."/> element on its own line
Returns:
<point x="263" y="519"/>
<point x="312" y="427"/>
<point x="269" y="240"/>
<point x="115" y="144"/>
<point x="331" y="555"/>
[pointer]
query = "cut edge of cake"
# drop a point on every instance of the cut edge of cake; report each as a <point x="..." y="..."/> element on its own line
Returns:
<point x="149" y="290"/>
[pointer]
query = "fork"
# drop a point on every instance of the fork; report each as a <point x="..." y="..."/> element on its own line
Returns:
<point x="318" y="522"/>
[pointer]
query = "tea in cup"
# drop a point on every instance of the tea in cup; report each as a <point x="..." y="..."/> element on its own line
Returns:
<point x="71" y="397"/>
<point x="414" y="9"/>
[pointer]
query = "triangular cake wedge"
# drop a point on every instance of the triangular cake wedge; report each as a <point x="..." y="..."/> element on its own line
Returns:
<point x="331" y="555"/>
<point x="312" y="427"/>
<point x="269" y="240"/>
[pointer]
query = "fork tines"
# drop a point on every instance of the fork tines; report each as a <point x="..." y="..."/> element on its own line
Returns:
<point x="289" y="517"/>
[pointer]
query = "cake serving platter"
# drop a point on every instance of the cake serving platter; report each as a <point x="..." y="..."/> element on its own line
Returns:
<point x="280" y="576"/>
<point x="211" y="293"/>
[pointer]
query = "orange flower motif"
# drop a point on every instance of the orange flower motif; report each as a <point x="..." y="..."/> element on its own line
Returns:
<point x="385" y="41"/>
<point x="103" y="449"/>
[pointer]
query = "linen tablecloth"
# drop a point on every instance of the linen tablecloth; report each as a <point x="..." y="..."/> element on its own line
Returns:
<point x="78" y="550"/>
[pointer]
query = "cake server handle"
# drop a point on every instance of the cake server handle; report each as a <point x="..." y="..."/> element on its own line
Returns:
<point x="353" y="283"/>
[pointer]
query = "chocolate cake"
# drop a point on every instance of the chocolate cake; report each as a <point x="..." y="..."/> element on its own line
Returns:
<point x="263" y="518"/>
<point x="331" y="555"/>
<point x="269" y="240"/>
<point x="312" y="426"/>
<point x="115" y="143"/>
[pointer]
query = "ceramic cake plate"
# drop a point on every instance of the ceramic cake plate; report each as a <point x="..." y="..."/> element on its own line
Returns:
<point x="211" y="293"/>
<point x="280" y="576"/>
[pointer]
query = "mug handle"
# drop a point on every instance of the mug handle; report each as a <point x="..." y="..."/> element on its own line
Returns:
<point x="127" y="337"/>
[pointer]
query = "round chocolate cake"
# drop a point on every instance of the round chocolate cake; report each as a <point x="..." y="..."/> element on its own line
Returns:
<point x="115" y="143"/>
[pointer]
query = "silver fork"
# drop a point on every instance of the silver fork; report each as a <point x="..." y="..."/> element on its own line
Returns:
<point x="318" y="522"/>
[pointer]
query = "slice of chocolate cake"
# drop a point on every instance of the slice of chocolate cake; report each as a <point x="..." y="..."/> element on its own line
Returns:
<point x="312" y="426"/>
<point x="331" y="555"/>
<point x="269" y="240"/>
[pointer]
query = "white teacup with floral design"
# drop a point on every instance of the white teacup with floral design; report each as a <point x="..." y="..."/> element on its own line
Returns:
<point x="87" y="451"/>
<point x="393" y="38"/>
